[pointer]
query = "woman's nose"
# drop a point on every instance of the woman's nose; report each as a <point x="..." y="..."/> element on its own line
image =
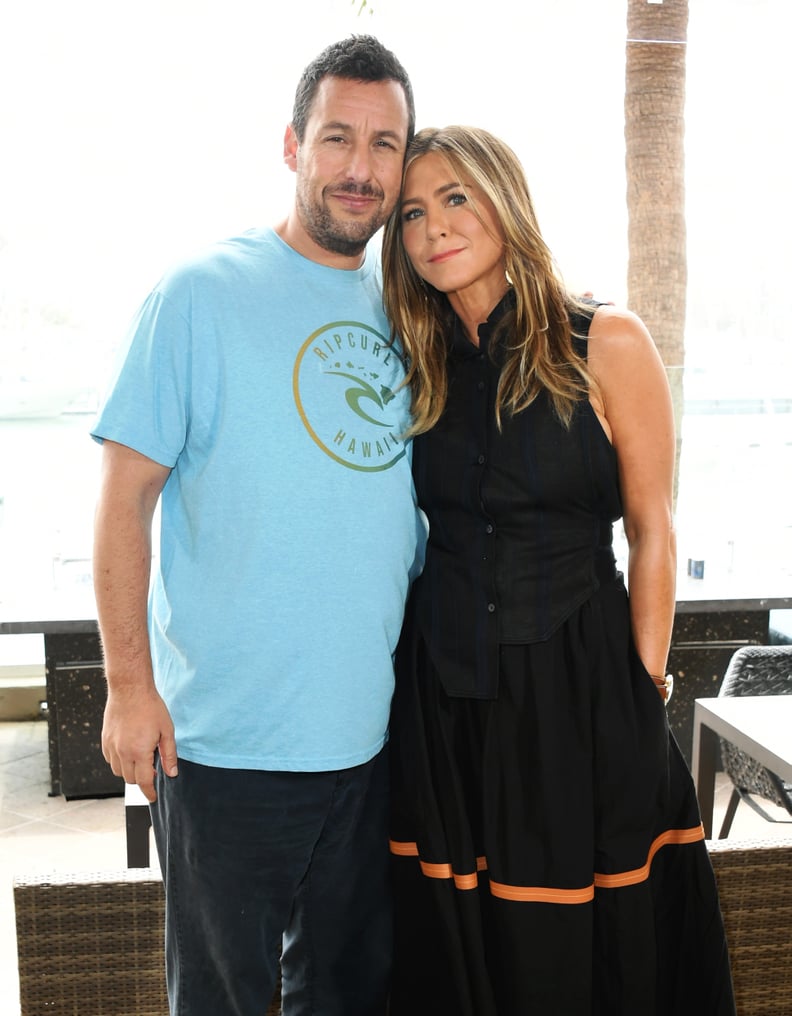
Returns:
<point x="435" y="224"/>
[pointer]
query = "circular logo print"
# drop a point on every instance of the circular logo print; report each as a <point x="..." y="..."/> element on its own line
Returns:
<point x="347" y="380"/>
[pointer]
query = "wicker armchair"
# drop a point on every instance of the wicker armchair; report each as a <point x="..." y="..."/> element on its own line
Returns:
<point x="92" y="944"/>
<point x="755" y="670"/>
<point x="755" y="886"/>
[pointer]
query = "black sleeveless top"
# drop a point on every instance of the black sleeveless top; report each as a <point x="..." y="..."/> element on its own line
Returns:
<point x="520" y="520"/>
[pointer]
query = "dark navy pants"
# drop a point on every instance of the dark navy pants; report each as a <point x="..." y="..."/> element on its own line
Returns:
<point x="258" y="861"/>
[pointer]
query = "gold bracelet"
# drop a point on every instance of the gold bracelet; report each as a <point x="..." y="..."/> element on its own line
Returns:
<point x="665" y="685"/>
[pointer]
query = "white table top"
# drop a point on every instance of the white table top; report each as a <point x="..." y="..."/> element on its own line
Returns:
<point x="49" y="613"/>
<point x="726" y="591"/>
<point x="760" y="725"/>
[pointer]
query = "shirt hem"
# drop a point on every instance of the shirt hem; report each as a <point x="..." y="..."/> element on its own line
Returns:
<point x="280" y="764"/>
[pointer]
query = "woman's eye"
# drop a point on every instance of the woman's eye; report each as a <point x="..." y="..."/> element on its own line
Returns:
<point x="457" y="198"/>
<point x="411" y="214"/>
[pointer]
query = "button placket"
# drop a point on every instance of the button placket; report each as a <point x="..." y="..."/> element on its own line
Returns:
<point x="480" y="406"/>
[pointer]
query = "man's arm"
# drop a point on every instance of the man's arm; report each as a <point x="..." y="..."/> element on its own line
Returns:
<point x="136" y="720"/>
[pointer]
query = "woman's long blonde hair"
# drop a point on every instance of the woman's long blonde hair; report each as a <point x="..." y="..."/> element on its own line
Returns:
<point x="538" y="353"/>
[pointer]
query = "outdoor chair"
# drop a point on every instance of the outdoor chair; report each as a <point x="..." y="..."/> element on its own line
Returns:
<point x="755" y="670"/>
<point x="755" y="887"/>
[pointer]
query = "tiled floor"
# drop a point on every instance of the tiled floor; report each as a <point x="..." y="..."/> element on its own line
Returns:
<point x="39" y="833"/>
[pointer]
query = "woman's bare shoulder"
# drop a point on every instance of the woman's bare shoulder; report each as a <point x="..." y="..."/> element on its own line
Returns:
<point x="617" y="326"/>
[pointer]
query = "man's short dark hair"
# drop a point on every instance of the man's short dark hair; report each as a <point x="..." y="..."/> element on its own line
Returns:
<point x="358" y="58"/>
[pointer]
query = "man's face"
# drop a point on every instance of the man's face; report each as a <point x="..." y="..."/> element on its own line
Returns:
<point x="348" y="165"/>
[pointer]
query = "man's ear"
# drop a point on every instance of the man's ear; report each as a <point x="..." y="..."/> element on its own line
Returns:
<point x="290" y="146"/>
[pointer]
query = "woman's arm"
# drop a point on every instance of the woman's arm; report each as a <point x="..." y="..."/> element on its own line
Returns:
<point x="634" y="403"/>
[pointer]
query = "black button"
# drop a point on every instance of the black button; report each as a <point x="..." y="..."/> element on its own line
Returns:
<point x="491" y="608"/>
<point x="480" y="386"/>
<point x="481" y="460"/>
<point x="490" y="528"/>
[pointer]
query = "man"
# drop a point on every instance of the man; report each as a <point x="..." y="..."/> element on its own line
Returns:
<point x="260" y="403"/>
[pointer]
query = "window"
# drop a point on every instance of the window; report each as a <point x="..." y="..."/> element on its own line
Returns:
<point x="138" y="132"/>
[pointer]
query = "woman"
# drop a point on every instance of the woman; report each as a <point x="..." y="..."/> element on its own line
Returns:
<point x="548" y="851"/>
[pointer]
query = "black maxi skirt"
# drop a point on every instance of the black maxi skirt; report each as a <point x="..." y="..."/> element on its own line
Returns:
<point x="548" y="853"/>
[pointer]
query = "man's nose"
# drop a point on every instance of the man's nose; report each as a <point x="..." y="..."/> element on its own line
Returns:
<point x="359" y="164"/>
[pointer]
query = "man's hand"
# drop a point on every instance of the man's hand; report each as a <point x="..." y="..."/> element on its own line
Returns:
<point x="136" y="724"/>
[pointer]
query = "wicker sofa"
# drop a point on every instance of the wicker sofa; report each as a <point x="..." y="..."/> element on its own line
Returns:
<point x="91" y="944"/>
<point x="755" y="885"/>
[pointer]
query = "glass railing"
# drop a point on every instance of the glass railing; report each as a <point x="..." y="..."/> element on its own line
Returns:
<point x="734" y="501"/>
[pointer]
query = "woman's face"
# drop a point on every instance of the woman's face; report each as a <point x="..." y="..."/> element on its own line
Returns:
<point x="454" y="248"/>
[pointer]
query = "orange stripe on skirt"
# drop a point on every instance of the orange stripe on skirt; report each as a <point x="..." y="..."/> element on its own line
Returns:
<point x="544" y="894"/>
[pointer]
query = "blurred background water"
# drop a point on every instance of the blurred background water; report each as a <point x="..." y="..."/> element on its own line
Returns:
<point x="49" y="470"/>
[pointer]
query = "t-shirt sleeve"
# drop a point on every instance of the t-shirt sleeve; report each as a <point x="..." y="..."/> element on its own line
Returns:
<point x="147" y="405"/>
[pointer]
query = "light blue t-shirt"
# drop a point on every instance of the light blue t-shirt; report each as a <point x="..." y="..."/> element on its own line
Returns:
<point x="289" y="526"/>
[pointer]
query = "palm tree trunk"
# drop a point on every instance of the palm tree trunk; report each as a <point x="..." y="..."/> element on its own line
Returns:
<point x="654" y="109"/>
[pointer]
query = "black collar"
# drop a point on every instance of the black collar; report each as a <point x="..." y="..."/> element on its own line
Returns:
<point x="460" y="346"/>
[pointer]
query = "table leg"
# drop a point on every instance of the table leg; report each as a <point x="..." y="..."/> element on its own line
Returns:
<point x="705" y="752"/>
<point x="138" y="823"/>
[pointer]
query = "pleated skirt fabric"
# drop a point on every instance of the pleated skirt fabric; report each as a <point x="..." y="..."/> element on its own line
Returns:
<point x="548" y="854"/>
